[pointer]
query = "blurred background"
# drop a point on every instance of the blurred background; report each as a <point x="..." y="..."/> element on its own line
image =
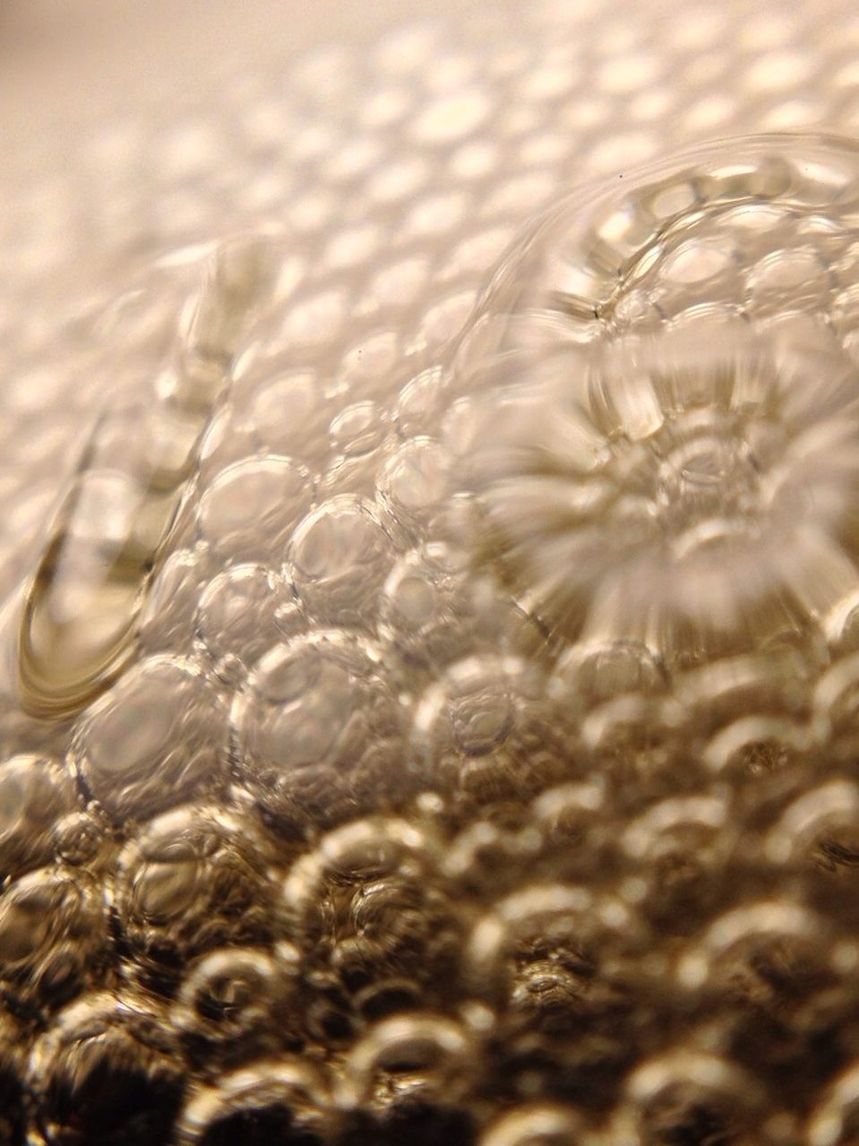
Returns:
<point x="65" y="63"/>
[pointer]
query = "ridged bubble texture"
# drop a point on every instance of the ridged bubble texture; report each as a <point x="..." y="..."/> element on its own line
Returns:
<point x="456" y="744"/>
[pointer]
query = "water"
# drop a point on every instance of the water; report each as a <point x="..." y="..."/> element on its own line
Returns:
<point x="461" y="747"/>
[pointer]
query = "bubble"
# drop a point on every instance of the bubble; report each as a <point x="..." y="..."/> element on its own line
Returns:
<point x="251" y="508"/>
<point x="756" y="744"/>
<point x="106" y="1071"/>
<point x="360" y="851"/>
<point x="319" y="728"/>
<point x="413" y="485"/>
<point x="788" y="278"/>
<point x="274" y="1100"/>
<point x="84" y="838"/>
<point x="836" y="696"/>
<point x="413" y="1057"/>
<point x="339" y="556"/>
<point x="834" y="1120"/>
<point x="680" y="842"/>
<point x="402" y="283"/>
<point x="450" y="118"/>
<point x="357" y="429"/>
<point x="287" y="411"/>
<point x="167" y="618"/>
<point x="536" y="1125"/>
<point x="435" y="609"/>
<point x="53" y="938"/>
<point x="367" y="920"/>
<point x="566" y="814"/>
<point x="745" y="943"/>
<point x="560" y="933"/>
<point x="157" y="738"/>
<point x="225" y="442"/>
<point x="34" y="793"/>
<point x="819" y="824"/>
<point x="774" y="683"/>
<point x="689" y="1094"/>
<point x="660" y="500"/>
<point x="239" y="1004"/>
<point x="190" y="881"/>
<point x="398" y="180"/>
<point x="237" y="614"/>
<point x="471" y="727"/>
<point x="595" y="671"/>
<point x="697" y="262"/>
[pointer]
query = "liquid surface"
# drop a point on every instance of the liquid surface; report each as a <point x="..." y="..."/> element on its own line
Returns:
<point x="475" y="758"/>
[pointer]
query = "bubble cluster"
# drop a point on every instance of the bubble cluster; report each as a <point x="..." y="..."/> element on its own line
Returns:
<point x="468" y="751"/>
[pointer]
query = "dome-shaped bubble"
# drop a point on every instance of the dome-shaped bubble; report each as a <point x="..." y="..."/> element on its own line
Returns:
<point x="675" y="492"/>
<point x="319" y="728"/>
<point x="410" y="1058"/>
<point x="238" y="613"/>
<point x="157" y="738"/>
<point x="238" y="1004"/>
<point x="339" y="556"/>
<point x="106" y="1071"/>
<point x="436" y="608"/>
<point x="284" y="1100"/>
<point x="371" y="919"/>
<point x="470" y="728"/>
<point x="251" y="507"/>
<point x="190" y="881"/>
<point x="413" y="486"/>
<point x="35" y="792"/>
<point x="535" y="1125"/>
<point x="693" y="1095"/>
<point x="54" y="940"/>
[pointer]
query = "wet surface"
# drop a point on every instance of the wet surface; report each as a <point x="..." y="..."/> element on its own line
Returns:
<point x="469" y="753"/>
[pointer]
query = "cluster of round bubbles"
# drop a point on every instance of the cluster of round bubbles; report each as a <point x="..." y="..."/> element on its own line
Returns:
<point x="476" y="762"/>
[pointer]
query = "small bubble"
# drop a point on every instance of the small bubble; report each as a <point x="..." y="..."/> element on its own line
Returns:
<point x="35" y="792"/>
<point x="416" y="1056"/>
<point x="413" y="485"/>
<point x="536" y="1125"/>
<point x="470" y="729"/>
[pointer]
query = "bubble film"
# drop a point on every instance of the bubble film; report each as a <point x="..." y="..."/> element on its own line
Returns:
<point x="430" y="700"/>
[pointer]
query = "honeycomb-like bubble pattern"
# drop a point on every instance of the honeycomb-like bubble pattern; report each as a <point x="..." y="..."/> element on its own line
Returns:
<point x="373" y="838"/>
